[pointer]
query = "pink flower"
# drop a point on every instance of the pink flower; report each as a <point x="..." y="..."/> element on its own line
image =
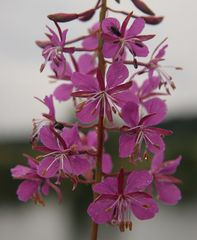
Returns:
<point x="117" y="38"/>
<point x="166" y="189"/>
<point x="141" y="129"/>
<point x="54" y="49"/>
<point x="117" y="201"/>
<point x="101" y="98"/>
<point x="85" y="65"/>
<point x="63" y="153"/>
<point x="33" y="185"/>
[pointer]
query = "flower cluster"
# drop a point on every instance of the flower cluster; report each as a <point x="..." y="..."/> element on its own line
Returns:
<point x="105" y="85"/>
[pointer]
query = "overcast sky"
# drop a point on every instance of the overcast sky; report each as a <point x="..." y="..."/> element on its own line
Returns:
<point x="24" y="21"/>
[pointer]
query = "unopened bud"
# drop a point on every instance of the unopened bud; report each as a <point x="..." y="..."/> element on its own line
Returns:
<point x="87" y="15"/>
<point x="63" y="17"/>
<point x="153" y="20"/>
<point x="142" y="6"/>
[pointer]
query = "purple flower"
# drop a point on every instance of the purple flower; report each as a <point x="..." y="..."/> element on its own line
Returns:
<point x="33" y="185"/>
<point x="46" y="120"/>
<point x="141" y="129"/>
<point x="166" y="189"/>
<point x="85" y="65"/>
<point x="117" y="201"/>
<point x="91" y="42"/>
<point x="63" y="153"/>
<point x="117" y="38"/>
<point x="54" y="49"/>
<point x="101" y="98"/>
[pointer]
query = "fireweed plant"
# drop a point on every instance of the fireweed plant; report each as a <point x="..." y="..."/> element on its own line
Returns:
<point x="103" y="78"/>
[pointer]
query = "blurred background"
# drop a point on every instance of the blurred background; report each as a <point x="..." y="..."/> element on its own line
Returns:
<point x="24" y="21"/>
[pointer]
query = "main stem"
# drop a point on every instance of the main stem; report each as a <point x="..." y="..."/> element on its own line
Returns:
<point x="100" y="130"/>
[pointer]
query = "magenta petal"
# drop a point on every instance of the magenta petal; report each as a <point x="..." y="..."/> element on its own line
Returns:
<point x="48" y="101"/>
<point x="107" y="186"/>
<point x="154" y="142"/>
<point x="88" y="112"/>
<point x="99" y="211"/>
<point x="108" y="23"/>
<point x="143" y="206"/>
<point x="63" y="92"/>
<point x="76" y="165"/>
<point x="85" y="82"/>
<point x="126" y="145"/>
<point x="107" y="163"/>
<point x="90" y="42"/>
<point x="161" y="52"/>
<point x="71" y="136"/>
<point x="124" y="97"/>
<point x="168" y="193"/>
<point x="140" y="51"/>
<point x="138" y="181"/>
<point x="157" y="106"/>
<point x="26" y="190"/>
<point x="45" y="189"/>
<point x="149" y="86"/>
<point x="48" y="167"/>
<point x="130" y="114"/>
<point x="157" y="161"/>
<point x="110" y="49"/>
<point x="20" y="171"/>
<point x="136" y="28"/>
<point x="48" y="139"/>
<point x="116" y="74"/>
<point x="170" y="167"/>
<point x="86" y="63"/>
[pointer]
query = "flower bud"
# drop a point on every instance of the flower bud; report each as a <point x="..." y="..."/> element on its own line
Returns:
<point x="143" y="7"/>
<point x="63" y="17"/>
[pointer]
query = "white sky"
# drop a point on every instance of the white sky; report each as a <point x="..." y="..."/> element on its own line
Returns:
<point x="24" y="21"/>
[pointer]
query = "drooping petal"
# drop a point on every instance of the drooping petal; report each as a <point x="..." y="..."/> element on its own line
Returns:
<point x="168" y="193"/>
<point x="100" y="211"/>
<point x="48" y="167"/>
<point x="116" y="74"/>
<point x="26" y="190"/>
<point x="107" y="163"/>
<point x="136" y="28"/>
<point x="143" y="206"/>
<point x="63" y="92"/>
<point x="108" y="186"/>
<point x="126" y="144"/>
<point x="169" y="167"/>
<point x="130" y="114"/>
<point x="85" y="82"/>
<point x="158" y="107"/>
<point x="48" y="139"/>
<point x="138" y="181"/>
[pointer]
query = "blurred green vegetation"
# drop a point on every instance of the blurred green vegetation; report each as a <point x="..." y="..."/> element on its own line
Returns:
<point x="183" y="141"/>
